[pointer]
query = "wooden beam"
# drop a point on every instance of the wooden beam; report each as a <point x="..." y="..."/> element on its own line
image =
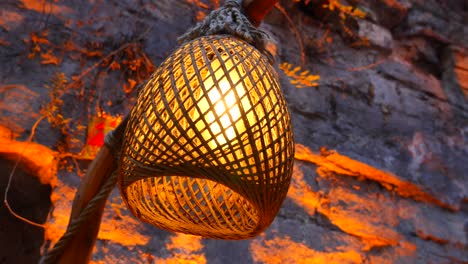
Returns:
<point x="79" y="248"/>
<point x="256" y="10"/>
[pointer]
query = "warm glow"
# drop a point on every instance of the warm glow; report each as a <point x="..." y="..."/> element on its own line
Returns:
<point x="184" y="249"/>
<point x="341" y="164"/>
<point x="345" y="208"/>
<point x="45" y="6"/>
<point x="279" y="250"/>
<point x="224" y="115"/>
<point x="37" y="159"/>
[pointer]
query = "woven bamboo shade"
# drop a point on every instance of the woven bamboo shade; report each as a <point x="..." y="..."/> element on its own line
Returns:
<point x="208" y="148"/>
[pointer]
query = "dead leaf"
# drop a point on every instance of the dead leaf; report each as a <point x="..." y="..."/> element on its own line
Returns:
<point x="131" y="84"/>
<point x="49" y="58"/>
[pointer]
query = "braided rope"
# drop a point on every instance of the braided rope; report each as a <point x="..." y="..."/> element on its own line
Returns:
<point x="53" y="255"/>
<point x="229" y="20"/>
<point x="113" y="141"/>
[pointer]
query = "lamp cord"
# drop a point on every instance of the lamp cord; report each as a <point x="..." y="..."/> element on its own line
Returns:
<point x="54" y="254"/>
<point x="113" y="141"/>
<point x="229" y="19"/>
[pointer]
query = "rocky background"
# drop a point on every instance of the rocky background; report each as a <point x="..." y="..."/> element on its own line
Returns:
<point x="378" y="92"/>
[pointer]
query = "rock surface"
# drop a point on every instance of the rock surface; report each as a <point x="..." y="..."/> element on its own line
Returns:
<point x="382" y="139"/>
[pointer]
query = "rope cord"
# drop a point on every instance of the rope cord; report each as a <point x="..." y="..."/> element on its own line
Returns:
<point x="230" y="20"/>
<point x="53" y="255"/>
<point x="113" y="141"/>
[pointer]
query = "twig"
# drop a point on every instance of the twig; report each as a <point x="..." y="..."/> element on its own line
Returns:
<point x="368" y="66"/>
<point x="20" y="157"/>
<point x="95" y="65"/>
<point x="296" y="32"/>
<point x="74" y="158"/>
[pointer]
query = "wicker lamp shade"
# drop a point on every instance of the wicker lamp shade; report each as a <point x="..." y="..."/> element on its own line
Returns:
<point x="208" y="148"/>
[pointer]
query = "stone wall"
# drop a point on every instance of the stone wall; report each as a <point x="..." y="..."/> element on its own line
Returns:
<point x="381" y="137"/>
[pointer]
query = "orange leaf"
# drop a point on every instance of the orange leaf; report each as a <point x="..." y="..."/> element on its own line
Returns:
<point x="94" y="54"/>
<point x="114" y="65"/>
<point x="49" y="58"/>
<point x="38" y="40"/>
<point x="129" y="88"/>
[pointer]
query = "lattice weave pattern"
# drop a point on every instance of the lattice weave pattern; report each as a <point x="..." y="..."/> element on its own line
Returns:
<point x="208" y="148"/>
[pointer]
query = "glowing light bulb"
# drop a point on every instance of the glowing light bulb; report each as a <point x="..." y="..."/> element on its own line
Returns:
<point x="221" y="107"/>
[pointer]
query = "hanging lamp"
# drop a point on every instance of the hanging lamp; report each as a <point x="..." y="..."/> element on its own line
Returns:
<point x="207" y="149"/>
